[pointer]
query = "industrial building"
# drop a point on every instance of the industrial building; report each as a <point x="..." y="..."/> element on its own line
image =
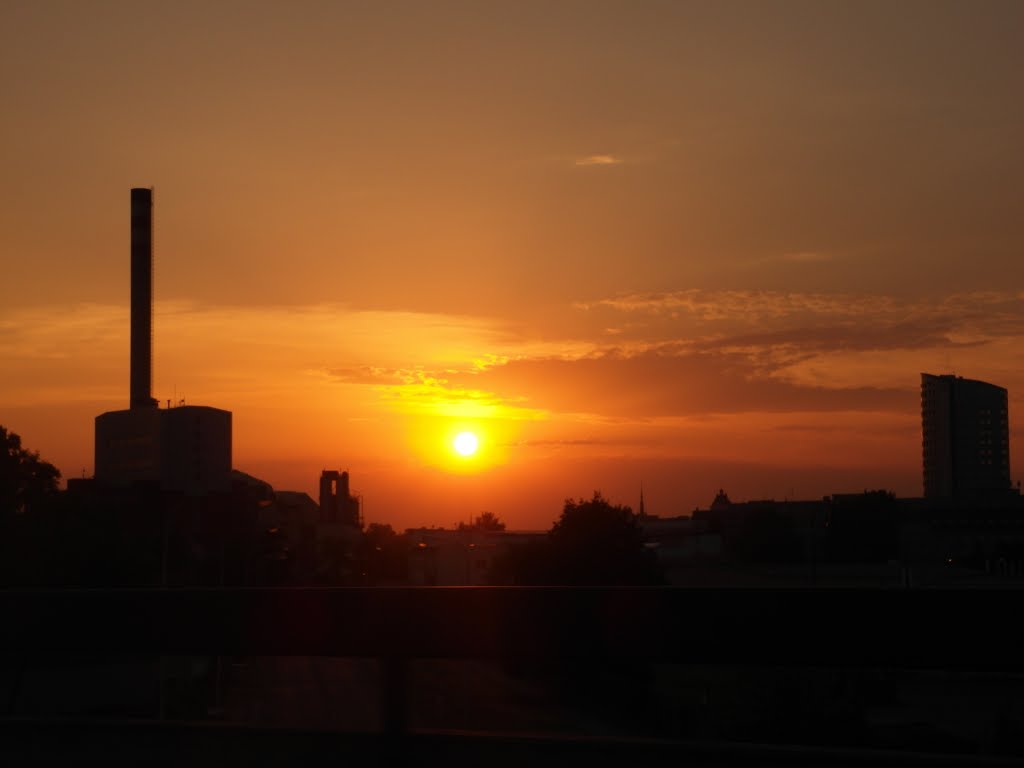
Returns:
<point x="185" y="448"/>
<point x="965" y="438"/>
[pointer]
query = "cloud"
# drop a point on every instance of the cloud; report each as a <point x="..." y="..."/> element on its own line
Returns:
<point x="598" y="160"/>
<point x="618" y="441"/>
<point x="692" y="353"/>
<point x="826" y="341"/>
<point x="374" y="375"/>
<point x="962" y="318"/>
<point x="641" y="356"/>
<point x="673" y="382"/>
<point x="420" y="390"/>
<point x="744" y="305"/>
<point x="884" y="335"/>
<point x="695" y="353"/>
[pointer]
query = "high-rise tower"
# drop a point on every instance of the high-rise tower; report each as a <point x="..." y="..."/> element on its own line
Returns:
<point x="965" y="437"/>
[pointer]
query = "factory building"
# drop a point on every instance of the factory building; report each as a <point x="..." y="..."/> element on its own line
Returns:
<point x="184" y="449"/>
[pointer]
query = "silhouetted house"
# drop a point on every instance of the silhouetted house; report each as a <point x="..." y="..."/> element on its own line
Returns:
<point x="966" y="540"/>
<point x="680" y="541"/>
<point x="444" y="557"/>
<point x="297" y="507"/>
<point x="868" y="538"/>
<point x="297" y="516"/>
<point x="721" y="500"/>
<point x="965" y="437"/>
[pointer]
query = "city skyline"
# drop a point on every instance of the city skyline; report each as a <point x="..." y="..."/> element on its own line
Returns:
<point x="620" y="245"/>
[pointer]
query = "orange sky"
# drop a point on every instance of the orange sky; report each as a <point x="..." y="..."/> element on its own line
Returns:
<point x="685" y="244"/>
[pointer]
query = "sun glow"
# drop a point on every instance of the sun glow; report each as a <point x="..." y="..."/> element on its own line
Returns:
<point x="466" y="444"/>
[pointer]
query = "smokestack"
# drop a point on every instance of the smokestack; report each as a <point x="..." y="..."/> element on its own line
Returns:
<point x="142" y="299"/>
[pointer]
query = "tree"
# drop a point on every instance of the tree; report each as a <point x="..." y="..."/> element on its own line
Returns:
<point x="594" y="542"/>
<point x="25" y="479"/>
<point x="597" y="542"/>
<point x="487" y="521"/>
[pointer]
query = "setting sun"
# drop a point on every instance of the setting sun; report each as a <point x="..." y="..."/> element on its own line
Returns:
<point x="466" y="443"/>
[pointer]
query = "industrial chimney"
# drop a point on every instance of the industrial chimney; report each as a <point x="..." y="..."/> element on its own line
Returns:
<point x="142" y="299"/>
<point x="186" y="449"/>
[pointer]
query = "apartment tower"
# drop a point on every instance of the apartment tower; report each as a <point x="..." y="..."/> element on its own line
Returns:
<point x="965" y="437"/>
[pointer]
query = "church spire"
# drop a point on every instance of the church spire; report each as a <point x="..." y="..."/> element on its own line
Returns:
<point x="642" y="512"/>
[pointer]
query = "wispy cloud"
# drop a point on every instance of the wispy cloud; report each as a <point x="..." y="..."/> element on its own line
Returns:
<point x="674" y="382"/>
<point x="816" y="340"/>
<point x="744" y="305"/>
<point x="999" y="312"/>
<point x="637" y="357"/>
<point x="695" y="352"/>
<point x="610" y="441"/>
<point x="599" y="160"/>
<point x="419" y="390"/>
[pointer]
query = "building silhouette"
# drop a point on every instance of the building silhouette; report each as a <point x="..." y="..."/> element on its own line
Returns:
<point x="185" y="448"/>
<point x="337" y="504"/>
<point x="965" y="438"/>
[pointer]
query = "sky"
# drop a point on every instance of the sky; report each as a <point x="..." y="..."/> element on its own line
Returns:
<point x="680" y="246"/>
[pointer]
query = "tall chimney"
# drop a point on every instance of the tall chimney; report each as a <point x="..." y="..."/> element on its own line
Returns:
<point x="142" y="299"/>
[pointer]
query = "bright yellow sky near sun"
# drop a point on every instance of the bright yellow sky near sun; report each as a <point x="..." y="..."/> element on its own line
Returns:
<point x="684" y="244"/>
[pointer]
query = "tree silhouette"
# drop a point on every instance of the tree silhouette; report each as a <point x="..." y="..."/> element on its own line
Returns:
<point x="25" y="479"/>
<point x="594" y="542"/>
<point x="487" y="521"/>
<point x="597" y="542"/>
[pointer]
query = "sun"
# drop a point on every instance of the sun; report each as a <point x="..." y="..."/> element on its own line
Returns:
<point x="466" y="443"/>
